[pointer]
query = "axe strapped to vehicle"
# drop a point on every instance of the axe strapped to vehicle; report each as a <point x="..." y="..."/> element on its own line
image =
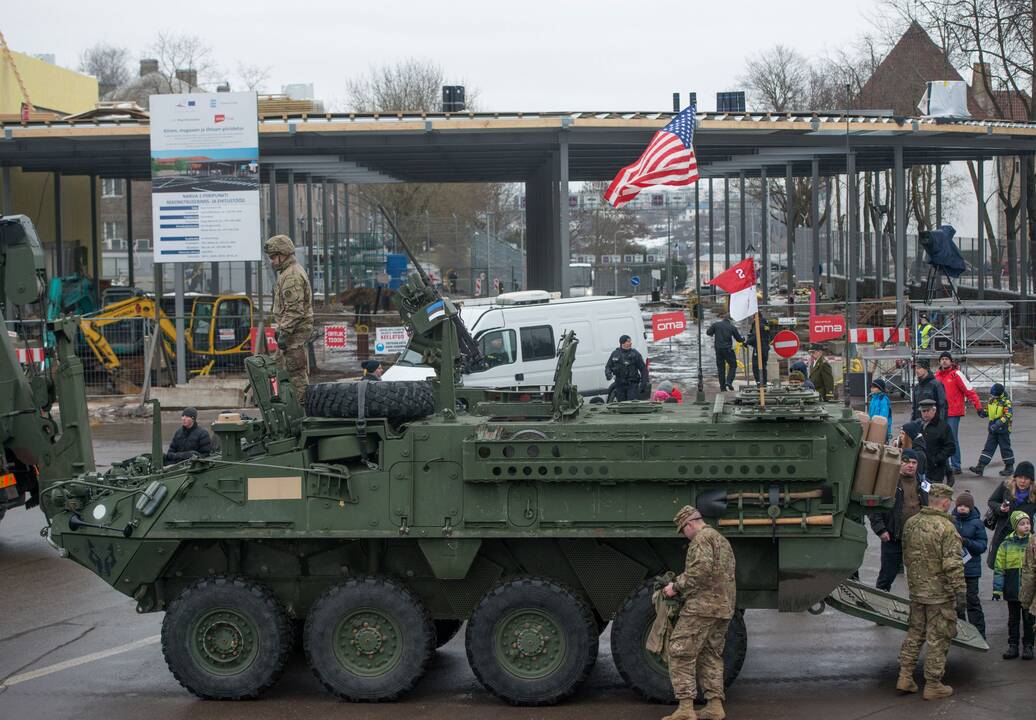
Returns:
<point x="716" y="502"/>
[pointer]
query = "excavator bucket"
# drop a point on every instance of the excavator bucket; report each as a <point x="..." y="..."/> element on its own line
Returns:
<point x="862" y="601"/>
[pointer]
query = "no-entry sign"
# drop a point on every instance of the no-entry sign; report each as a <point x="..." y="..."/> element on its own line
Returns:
<point x="785" y="343"/>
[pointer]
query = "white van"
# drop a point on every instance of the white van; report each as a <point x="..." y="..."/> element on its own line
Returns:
<point x="519" y="333"/>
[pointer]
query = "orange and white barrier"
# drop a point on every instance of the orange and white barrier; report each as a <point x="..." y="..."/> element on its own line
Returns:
<point x="879" y="334"/>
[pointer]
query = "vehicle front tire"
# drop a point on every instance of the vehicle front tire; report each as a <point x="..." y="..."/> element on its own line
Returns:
<point x="226" y="638"/>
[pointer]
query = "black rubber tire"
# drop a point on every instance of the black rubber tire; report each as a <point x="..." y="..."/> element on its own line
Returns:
<point x="388" y="597"/>
<point x="446" y="630"/>
<point x="629" y="629"/>
<point x="396" y="401"/>
<point x="572" y="614"/>
<point x="243" y="596"/>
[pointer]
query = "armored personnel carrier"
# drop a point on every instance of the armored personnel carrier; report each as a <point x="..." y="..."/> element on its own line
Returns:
<point x="387" y="514"/>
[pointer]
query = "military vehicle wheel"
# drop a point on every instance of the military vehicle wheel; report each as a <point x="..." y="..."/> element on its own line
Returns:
<point x="646" y="672"/>
<point x="368" y="639"/>
<point x="396" y="401"/>
<point x="531" y="641"/>
<point x="446" y="630"/>
<point x="226" y="638"/>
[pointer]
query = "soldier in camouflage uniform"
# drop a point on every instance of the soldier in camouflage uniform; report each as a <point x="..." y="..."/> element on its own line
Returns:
<point x="935" y="576"/>
<point x="696" y="643"/>
<point x="292" y="312"/>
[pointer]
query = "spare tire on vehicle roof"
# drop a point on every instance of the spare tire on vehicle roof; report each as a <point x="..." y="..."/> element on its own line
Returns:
<point x="393" y="400"/>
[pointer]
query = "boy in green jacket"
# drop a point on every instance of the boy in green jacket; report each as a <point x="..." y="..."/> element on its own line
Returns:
<point x="1007" y="573"/>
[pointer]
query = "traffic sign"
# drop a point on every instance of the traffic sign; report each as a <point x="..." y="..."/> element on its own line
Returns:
<point x="334" y="337"/>
<point x="635" y="280"/>
<point x="785" y="343"/>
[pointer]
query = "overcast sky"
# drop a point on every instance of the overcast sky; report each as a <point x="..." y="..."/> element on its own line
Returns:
<point x="528" y="55"/>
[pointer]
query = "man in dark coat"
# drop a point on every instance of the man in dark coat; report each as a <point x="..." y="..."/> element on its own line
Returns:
<point x="928" y="387"/>
<point x="189" y="441"/>
<point x="627" y="366"/>
<point x="725" y="332"/>
<point x="887" y="523"/>
<point x="938" y="442"/>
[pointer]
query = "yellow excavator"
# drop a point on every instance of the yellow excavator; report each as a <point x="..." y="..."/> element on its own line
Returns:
<point x="217" y="332"/>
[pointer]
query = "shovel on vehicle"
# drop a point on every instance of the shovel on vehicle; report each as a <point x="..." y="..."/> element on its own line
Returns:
<point x="714" y="503"/>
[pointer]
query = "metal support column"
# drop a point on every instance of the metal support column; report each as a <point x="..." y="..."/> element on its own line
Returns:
<point x="712" y="237"/>
<point x="293" y="226"/>
<point x="981" y="195"/>
<point x="564" y="251"/>
<point x="789" y="223"/>
<point x="309" y="227"/>
<point x="59" y="250"/>
<point x="1023" y="242"/>
<point x="348" y="253"/>
<point x="764" y="233"/>
<point x="814" y="222"/>
<point x="741" y="212"/>
<point x="879" y="242"/>
<point x="95" y="252"/>
<point x="181" y="348"/>
<point x="131" y="271"/>
<point x="726" y="221"/>
<point x="337" y="255"/>
<point x="900" y="221"/>
<point x="853" y="243"/>
<point x="5" y="176"/>
<point x="325" y="226"/>
<point x="938" y="195"/>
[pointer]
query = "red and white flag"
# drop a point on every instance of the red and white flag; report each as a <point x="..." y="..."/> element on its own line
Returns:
<point x="739" y="281"/>
<point x="668" y="160"/>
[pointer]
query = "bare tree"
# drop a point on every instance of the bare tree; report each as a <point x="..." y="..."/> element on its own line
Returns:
<point x="109" y="64"/>
<point x="409" y="85"/>
<point x="253" y="77"/>
<point x="182" y="53"/>
<point x="777" y="80"/>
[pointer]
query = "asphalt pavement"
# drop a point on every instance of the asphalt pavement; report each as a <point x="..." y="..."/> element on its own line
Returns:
<point x="71" y="647"/>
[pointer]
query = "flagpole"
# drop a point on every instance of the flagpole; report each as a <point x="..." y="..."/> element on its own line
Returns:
<point x="697" y="289"/>
<point x="758" y="359"/>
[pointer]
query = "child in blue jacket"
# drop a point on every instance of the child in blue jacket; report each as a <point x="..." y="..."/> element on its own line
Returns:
<point x="879" y="405"/>
<point x="974" y="540"/>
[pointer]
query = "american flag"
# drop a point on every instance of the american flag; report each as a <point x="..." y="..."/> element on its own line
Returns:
<point x="668" y="160"/>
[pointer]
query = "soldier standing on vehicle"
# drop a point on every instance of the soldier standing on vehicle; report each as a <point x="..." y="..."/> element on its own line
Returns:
<point x="725" y="333"/>
<point x="292" y="312"/>
<point x="627" y="366"/>
<point x="709" y="593"/>
<point x="935" y="575"/>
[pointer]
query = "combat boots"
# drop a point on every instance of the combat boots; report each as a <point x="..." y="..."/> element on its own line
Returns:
<point x="906" y="683"/>
<point x="1012" y="651"/>
<point x="935" y="690"/>
<point x="1026" y="652"/>
<point x="977" y="469"/>
<point x="684" y="712"/>
<point x="1008" y="471"/>
<point x="713" y="710"/>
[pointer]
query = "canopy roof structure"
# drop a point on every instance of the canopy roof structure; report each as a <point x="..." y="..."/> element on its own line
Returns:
<point x="511" y="147"/>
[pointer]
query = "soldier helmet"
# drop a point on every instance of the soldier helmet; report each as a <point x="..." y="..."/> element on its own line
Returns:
<point x="280" y="245"/>
<point x="684" y="515"/>
<point x="940" y="490"/>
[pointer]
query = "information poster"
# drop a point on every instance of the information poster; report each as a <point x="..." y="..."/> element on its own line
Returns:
<point x="389" y="340"/>
<point x="205" y="177"/>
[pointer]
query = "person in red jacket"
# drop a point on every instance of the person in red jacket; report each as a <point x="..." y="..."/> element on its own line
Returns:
<point x="958" y="390"/>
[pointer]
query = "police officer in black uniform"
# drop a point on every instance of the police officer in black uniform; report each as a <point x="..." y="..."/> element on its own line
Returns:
<point x="627" y="366"/>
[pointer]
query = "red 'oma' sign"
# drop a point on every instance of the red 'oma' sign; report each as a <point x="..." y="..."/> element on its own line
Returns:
<point x="668" y="324"/>
<point x="826" y="327"/>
